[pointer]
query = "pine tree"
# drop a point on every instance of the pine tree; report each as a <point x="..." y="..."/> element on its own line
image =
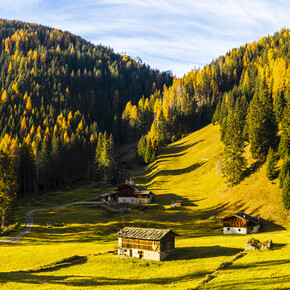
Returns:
<point x="149" y="153"/>
<point x="284" y="145"/>
<point x="141" y="149"/>
<point x="271" y="169"/>
<point x="284" y="171"/>
<point x="234" y="162"/>
<point x="105" y="158"/>
<point x="261" y="124"/>
<point x="7" y="189"/>
<point x="286" y="192"/>
<point x="25" y="165"/>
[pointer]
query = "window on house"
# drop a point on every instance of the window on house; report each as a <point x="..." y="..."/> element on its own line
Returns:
<point x="132" y="199"/>
<point x="251" y="229"/>
<point x="239" y="230"/>
<point x="228" y="229"/>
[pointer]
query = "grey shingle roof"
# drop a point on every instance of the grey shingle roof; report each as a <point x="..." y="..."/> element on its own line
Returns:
<point x="143" y="233"/>
<point x="247" y="217"/>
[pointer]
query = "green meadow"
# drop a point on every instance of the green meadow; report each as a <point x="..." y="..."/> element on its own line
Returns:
<point x="189" y="169"/>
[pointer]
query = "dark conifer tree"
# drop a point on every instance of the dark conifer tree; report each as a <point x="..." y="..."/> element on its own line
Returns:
<point x="271" y="162"/>
<point x="7" y="190"/>
<point x="141" y="149"/>
<point x="284" y="171"/>
<point x="286" y="192"/>
<point x="284" y="145"/>
<point x="261" y="124"/>
<point x="234" y="162"/>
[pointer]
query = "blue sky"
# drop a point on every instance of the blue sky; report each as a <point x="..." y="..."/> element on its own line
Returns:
<point x="166" y="34"/>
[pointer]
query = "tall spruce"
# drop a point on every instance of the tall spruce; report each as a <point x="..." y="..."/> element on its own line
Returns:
<point x="271" y="164"/>
<point x="284" y="171"/>
<point x="286" y="192"/>
<point x="261" y="124"/>
<point x="105" y="158"/>
<point x="284" y="145"/>
<point x="234" y="163"/>
<point x="7" y="189"/>
<point x="141" y="149"/>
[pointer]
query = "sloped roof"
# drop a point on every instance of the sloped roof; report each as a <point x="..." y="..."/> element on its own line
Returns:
<point x="138" y="188"/>
<point x="108" y="194"/>
<point x="143" y="233"/>
<point x="245" y="217"/>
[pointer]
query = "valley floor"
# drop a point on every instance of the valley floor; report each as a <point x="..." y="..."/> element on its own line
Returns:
<point x="189" y="170"/>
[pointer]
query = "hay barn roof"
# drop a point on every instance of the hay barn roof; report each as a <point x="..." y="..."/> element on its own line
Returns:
<point x="143" y="233"/>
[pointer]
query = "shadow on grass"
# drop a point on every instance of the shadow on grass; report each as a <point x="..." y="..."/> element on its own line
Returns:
<point x="257" y="264"/>
<point x="64" y="263"/>
<point x="175" y="149"/>
<point x="172" y="172"/>
<point x="169" y="197"/>
<point x="268" y="226"/>
<point x="189" y="253"/>
<point x="89" y="281"/>
<point x="253" y="168"/>
<point x="252" y="283"/>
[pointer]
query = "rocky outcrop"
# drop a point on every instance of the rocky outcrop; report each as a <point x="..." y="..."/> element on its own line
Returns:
<point x="253" y="244"/>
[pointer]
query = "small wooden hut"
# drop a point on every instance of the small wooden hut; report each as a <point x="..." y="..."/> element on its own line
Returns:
<point x="176" y="203"/>
<point x="241" y="223"/>
<point x="146" y="243"/>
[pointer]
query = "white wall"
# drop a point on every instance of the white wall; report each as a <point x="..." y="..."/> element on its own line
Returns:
<point x="127" y="200"/>
<point x="241" y="231"/>
<point x="133" y="200"/>
<point x="232" y="230"/>
<point x="135" y="253"/>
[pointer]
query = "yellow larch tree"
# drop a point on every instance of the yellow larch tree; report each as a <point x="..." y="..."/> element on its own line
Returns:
<point x="4" y="97"/>
<point x="28" y="106"/>
<point x="38" y="132"/>
<point x="23" y="124"/>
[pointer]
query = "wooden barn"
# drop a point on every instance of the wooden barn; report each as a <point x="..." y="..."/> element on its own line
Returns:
<point x="241" y="223"/>
<point x="146" y="243"/>
<point x="129" y="192"/>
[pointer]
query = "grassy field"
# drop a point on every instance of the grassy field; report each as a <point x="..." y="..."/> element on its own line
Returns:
<point x="189" y="170"/>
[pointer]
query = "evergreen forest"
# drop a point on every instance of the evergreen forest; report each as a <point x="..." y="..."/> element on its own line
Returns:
<point x="66" y="105"/>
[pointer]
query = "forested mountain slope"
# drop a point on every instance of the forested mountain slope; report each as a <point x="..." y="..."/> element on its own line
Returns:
<point x="58" y="92"/>
<point x="247" y="92"/>
<point x="239" y="75"/>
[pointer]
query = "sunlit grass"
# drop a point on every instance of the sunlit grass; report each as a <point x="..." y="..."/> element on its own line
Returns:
<point x="189" y="170"/>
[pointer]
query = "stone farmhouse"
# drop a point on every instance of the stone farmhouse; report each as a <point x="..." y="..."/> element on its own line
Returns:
<point x="241" y="223"/>
<point x="146" y="243"/>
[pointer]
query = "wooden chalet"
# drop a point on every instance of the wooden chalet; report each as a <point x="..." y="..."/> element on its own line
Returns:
<point x="241" y="223"/>
<point x="129" y="192"/>
<point x="146" y="243"/>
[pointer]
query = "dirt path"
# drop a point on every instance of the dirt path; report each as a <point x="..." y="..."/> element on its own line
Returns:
<point x="29" y="221"/>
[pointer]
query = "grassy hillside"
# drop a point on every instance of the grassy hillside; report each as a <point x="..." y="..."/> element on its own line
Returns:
<point x="188" y="169"/>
